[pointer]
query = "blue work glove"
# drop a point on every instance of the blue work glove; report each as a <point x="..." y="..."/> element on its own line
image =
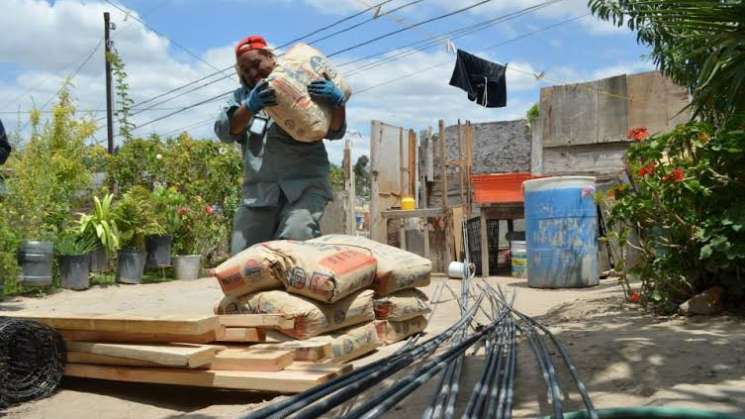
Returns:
<point x="327" y="92"/>
<point x="260" y="97"/>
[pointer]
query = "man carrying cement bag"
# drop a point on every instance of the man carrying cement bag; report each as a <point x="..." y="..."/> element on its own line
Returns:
<point x="285" y="186"/>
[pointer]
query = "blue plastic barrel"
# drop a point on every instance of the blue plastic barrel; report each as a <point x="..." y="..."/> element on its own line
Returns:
<point x="561" y="225"/>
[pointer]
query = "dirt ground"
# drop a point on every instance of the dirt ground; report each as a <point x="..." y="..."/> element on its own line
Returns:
<point x="626" y="357"/>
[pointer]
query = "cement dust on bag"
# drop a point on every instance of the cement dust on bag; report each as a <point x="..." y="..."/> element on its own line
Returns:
<point x="295" y="112"/>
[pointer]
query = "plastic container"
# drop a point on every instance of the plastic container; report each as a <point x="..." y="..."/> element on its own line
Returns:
<point x="408" y="203"/>
<point x="519" y="257"/>
<point x="187" y="267"/>
<point x="562" y="231"/>
<point x="99" y="260"/>
<point x="74" y="272"/>
<point x="499" y="187"/>
<point x="158" y="251"/>
<point x="130" y="266"/>
<point x="35" y="258"/>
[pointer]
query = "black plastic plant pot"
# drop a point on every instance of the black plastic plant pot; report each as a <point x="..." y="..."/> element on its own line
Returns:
<point x="74" y="272"/>
<point x="35" y="258"/>
<point x="130" y="266"/>
<point x="99" y="260"/>
<point x="158" y="251"/>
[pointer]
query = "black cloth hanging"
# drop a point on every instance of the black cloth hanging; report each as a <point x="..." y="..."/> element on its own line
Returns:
<point x="483" y="80"/>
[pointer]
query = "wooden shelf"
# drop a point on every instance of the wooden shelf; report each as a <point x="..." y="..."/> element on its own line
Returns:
<point x="422" y="212"/>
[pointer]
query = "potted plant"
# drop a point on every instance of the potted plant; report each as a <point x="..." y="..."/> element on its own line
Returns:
<point x="74" y="250"/>
<point x="200" y="231"/>
<point x="135" y="220"/>
<point x="100" y="227"/>
<point x="35" y="256"/>
<point x="165" y="203"/>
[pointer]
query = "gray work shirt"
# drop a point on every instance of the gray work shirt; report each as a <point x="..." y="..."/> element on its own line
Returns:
<point x="275" y="162"/>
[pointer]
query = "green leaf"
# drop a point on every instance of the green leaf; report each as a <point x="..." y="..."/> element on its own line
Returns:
<point x="706" y="251"/>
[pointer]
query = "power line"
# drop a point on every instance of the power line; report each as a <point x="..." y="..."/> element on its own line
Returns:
<point x="185" y="108"/>
<point x="455" y="34"/>
<point x="412" y="26"/>
<point x="357" y="25"/>
<point x="185" y="49"/>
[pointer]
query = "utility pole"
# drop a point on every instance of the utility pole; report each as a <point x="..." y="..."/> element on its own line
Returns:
<point x="109" y="102"/>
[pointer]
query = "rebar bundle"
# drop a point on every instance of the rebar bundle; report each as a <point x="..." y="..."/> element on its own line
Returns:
<point x="32" y="361"/>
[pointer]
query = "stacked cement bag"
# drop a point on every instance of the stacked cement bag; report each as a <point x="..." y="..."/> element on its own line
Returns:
<point x="400" y="308"/>
<point x="334" y="285"/>
<point x="304" y="119"/>
<point x="322" y="287"/>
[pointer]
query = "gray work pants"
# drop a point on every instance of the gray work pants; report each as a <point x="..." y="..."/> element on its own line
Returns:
<point x="299" y="220"/>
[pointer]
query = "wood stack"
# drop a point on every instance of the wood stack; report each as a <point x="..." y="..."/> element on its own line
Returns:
<point x="228" y="351"/>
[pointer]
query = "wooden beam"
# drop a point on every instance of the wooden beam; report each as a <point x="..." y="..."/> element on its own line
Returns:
<point x="276" y="321"/>
<point x="422" y="213"/>
<point x="412" y="163"/>
<point x="279" y="381"/>
<point x="251" y="359"/>
<point x="484" y="237"/>
<point x="350" y="226"/>
<point x="93" y="336"/>
<point x="165" y="355"/>
<point x="241" y="334"/>
<point x="378" y="229"/>
<point x="402" y="181"/>
<point x="176" y="325"/>
<point x="461" y="167"/>
<point x="443" y="168"/>
<point x="86" y="358"/>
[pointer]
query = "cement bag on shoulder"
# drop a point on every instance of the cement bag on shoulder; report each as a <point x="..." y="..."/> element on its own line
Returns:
<point x="251" y="270"/>
<point x="311" y="317"/>
<point x="401" y="305"/>
<point x="397" y="269"/>
<point x="391" y="332"/>
<point x="302" y="118"/>
<point x="322" y="272"/>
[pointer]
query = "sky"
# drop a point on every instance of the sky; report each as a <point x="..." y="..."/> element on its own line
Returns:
<point x="166" y="44"/>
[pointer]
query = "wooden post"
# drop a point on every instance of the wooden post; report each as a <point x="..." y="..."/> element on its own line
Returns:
<point x="378" y="227"/>
<point x="445" y="204"/>
<point x="351" y="220"/>
<point x="412" y="164"/>
<point x="461" y="166"/>
<point x="484" y="245"/>
<point x="109" y="98"/>
<point x="469" y="167"/>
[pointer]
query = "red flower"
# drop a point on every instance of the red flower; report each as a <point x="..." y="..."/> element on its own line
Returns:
<point x="182" y="211"/>
<point x="677" y="175"/>
<point x="647" y="170"/>
<point x="634" y="297"/>
<point x="209" y="210"/>
<point x="637" y="134"/>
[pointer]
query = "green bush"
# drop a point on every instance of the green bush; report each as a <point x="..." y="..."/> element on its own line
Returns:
<point x="685" y="202"/>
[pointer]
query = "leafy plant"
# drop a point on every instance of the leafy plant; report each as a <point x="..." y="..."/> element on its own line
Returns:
<point x="139" y="162"/>
<point x="135" y="218"/>
<point x="697" y="43"/>
<point x="533" y="114"/>
<point x="100" y="226"/>
<point x="685" y="205"/>
<point x="166" y="202"/>
<point x="72" y="243"/>
<point x="122" y="95"/>
<point x="202" y="227"/>
<point x="48" y="178"/>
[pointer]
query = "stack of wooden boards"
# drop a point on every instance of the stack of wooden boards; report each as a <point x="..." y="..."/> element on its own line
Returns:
<point x="361" y="291"/>
<point x="207" y="351"/>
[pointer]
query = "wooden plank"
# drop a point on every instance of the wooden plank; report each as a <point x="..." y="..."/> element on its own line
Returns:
<point x="332" y="367"/>
<point x="378" y="231"/>
<point x="251" y="359"/>
<point x="175" y="325"/>
<point x="276" y="321"/>
<point x="93" y="336"/>
<point x="402" y="185"/>
<point x="87" y="358"/>
<point x="279" y="381"/>
<point x="314" y="349"/>
<point x="412" y="166"/>
<point x="419" y="213"/>
<point x="166" y="355"/>
<point x="443" y="168"/>
<point x="241" y="334"/>
<point x="350" y="225"/>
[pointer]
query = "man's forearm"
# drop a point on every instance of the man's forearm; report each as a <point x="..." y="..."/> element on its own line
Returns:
<point x="240" y="120"/>
<point x="338" y="116"/>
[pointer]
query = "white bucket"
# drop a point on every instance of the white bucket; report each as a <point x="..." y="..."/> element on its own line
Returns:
<point x="519" y="256"/>
<point x="457" y="270"/>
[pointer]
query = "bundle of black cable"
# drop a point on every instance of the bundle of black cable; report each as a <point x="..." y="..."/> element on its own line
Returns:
<point x="32" y="361"/>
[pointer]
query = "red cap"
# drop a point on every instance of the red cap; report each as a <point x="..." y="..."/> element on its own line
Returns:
<point x="250" y="43"/>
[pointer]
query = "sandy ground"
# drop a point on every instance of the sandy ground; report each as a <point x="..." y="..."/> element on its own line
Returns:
<point x="626" y="357"/>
